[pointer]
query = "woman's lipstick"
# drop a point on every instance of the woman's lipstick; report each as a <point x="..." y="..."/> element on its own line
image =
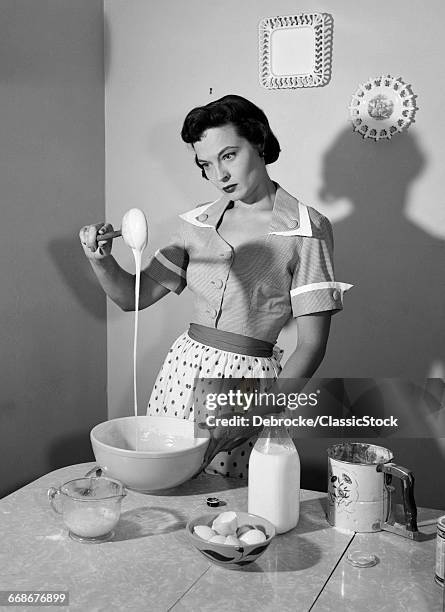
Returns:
<point x="229" y="188"/>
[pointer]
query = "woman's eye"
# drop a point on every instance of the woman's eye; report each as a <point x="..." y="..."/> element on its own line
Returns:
<point x="229" y="155"/>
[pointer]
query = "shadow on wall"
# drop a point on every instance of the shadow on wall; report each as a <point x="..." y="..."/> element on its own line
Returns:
<point x="108" y="47"/>
<point x="394" y="323"/>
<point x="419" y="410"/>
<point x="395" y="311"/>
<point x="70" y="449"/>
<point x="76" y="273"/>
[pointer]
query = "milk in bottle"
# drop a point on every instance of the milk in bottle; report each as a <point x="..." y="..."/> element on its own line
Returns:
<point x="274" y="479"/>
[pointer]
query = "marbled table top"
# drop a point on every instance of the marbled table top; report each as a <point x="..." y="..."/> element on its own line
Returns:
<point x="151" y="566"/>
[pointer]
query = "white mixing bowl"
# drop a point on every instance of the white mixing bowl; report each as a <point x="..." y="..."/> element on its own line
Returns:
<point x="148" y="453"/>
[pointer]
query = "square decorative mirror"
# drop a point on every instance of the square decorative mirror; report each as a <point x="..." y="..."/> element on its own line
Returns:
<point x="295" y="50"/>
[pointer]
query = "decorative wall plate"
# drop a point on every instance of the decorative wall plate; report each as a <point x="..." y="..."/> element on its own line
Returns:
<point x="295" y="50"/>
<point x="381" y="107"/>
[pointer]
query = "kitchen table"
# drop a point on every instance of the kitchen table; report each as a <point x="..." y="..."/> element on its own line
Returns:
<point x="150" y="565"/>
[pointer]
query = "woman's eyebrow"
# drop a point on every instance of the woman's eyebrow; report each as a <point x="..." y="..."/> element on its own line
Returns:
<point x="202" y="161"/>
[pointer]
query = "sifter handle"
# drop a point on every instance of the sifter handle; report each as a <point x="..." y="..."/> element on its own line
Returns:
<point x="407" y="480"/>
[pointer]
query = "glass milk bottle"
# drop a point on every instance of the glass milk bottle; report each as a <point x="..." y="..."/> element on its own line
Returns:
<point x="274" y="479"/>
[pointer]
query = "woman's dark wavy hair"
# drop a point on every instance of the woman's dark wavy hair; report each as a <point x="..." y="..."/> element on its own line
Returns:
<point x="250" y="122"/>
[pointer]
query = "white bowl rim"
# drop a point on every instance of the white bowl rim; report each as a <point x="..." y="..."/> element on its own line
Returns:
<point x="156" y="454"/>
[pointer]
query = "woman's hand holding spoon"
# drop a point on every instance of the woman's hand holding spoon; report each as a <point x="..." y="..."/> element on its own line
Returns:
<point x="93" y="246"/>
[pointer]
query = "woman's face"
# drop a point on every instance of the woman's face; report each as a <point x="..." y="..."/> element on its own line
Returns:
<point x="231" y="163"/>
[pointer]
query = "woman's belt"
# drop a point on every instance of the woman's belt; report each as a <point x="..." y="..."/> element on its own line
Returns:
<point x="228" y="341"/>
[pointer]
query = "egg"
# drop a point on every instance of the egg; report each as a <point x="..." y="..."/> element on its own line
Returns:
<point x="218" y="539"/>
<point x="204" y="532"/>
<point x="242" y="529"/>
<point x="225" y="523"/>
<point x="232" y="540"/>
<point x="253" y="536"/>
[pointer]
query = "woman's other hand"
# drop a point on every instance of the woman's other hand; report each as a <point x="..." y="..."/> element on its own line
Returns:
<point x="93" y="247"/>
<point x="226" y="438"/>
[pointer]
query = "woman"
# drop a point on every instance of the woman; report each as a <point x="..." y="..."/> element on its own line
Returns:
<point x="253" y="258"/>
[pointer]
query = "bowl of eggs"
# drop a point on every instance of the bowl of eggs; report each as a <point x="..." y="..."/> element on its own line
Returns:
<point x="148" y="453"/>
<point x="230" y="539"/>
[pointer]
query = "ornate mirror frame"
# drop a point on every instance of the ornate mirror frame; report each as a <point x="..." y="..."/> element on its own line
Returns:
<point x="295" y="50"/>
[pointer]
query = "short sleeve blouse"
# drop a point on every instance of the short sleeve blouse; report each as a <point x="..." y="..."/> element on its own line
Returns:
<point x="254" y="289"/>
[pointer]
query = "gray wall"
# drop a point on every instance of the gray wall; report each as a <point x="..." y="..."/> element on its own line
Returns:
<point x="53" y="318"/>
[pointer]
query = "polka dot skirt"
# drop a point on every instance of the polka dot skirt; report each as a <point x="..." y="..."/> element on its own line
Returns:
<point x="175" y="390"/>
